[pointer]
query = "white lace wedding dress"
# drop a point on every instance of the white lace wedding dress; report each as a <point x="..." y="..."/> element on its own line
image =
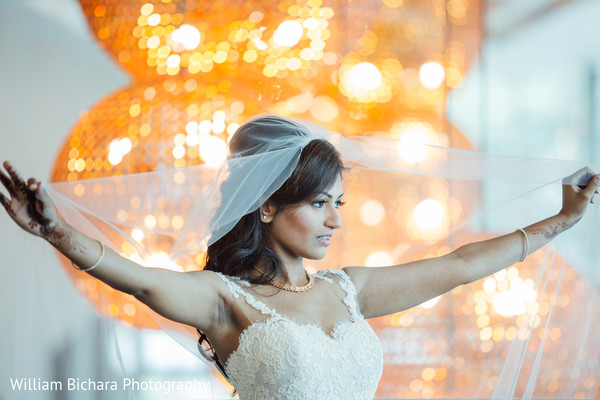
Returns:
<point x="279" y="358"/>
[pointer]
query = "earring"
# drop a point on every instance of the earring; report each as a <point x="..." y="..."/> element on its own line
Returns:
<point x="264" y="217"/>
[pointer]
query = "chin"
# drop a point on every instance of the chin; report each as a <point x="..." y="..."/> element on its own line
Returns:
<point x="316" y="256"/>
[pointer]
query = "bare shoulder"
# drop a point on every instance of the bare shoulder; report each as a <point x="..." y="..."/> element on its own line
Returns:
<point x="224" y="318"/>
<point x="358" y="275"/>
<point x="211" y="278"/>
<point x="223" y="300"/>
<point x="196" y="298"/>
<point x="390" y="289"/>
<point x="213" y="285"/>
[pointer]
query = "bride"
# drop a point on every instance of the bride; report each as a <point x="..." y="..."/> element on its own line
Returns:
<point x="276" y="330"/>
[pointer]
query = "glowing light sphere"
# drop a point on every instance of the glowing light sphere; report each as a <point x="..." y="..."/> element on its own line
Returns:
<point x="407" y="36"/>
<point x="378" y="259"/>
<point x="372" y="212"/>
<point x="514" y="301"/>
<point x="212" y="149"/>
<point x="169" y="124"/>
<point x="365" y="76"/>
<point x="321" y="106"/>
<point x="429" y="214"/>
<point x="289" y="33"/>
<point x="432" y="74"/>
<point x="363" y="83"/>
<point x="324" y="109"/>
<point x="431" y="303"/>
<point x="137" y="234"/>
<point x="186" y="36"/>
<point x="273" y="38"/>
<point x="414" y="135"/>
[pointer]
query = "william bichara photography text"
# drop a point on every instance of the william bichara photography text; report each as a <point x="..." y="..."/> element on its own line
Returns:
<point x="126" y="384"/>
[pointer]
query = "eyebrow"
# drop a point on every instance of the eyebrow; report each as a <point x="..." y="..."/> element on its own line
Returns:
<point x="328" y="195"/>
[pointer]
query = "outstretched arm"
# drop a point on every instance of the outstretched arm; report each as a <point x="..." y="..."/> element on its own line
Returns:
<point x="387" y="290"/>
<point x="167" y="292"/>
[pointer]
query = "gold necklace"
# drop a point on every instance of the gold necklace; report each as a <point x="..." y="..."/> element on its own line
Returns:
<point x="291" y="288"/>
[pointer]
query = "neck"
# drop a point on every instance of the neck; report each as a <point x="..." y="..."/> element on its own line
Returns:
<point x="294" y="276"/>
<point x="292" y="271"/>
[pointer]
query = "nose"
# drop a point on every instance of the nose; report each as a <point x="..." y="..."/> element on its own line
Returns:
<point x="333" y="219"/>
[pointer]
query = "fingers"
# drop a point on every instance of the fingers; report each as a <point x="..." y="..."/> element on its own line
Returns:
<point x="34" y="185"/>
<point x="583" y="178"/>
<point x="13" y="174"/>
<point x="592" y="187"/>
<point x="6" y="182"/>
<point x="588" y="170"/>
<point x="14" y="183"/>
<point x="579" y="179"/>
<point x="17" y="183"/>
<point x="42" y="192"/>
<point x="5" y="202"/>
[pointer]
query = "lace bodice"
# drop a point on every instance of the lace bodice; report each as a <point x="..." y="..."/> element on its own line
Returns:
<point x="279" y="358"/>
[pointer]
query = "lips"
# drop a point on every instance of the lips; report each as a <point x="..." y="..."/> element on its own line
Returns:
<point x="325" y="240"/>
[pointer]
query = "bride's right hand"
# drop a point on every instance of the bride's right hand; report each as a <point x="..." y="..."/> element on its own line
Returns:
<point x="29" y="204"/>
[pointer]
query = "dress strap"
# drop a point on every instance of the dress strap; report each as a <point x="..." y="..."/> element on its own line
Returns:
<point x="234" y="283"/>
<point x="347" y="285"/>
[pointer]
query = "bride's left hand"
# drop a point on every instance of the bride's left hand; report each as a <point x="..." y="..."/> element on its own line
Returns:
<point x="578" y="191"/>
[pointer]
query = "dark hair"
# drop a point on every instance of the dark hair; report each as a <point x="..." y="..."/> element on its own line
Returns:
<point x="248" y="244"/>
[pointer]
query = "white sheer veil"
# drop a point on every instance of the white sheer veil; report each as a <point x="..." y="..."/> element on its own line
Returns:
<point x="212" y="200"/>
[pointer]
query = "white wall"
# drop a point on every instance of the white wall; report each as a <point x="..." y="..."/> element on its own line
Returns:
<point x="50" y="70"/>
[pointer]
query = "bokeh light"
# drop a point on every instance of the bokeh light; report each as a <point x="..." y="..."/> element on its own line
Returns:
<point x="413" y="136"/>
<point x="372" y="212"/>
<point x="271" y="38"/>
<point x="200" y="69"/>
<point x="150" y="126"/>
<point x="432" y="74"/>
<point x="289" y="33"/>
<point x="429" y="214"/>
<point x="378" y="259"/>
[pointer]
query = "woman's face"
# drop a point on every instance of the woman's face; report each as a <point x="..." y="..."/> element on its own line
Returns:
<point x="306" y="231"/>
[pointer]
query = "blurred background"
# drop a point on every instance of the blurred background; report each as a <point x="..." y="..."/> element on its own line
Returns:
<point x="84" y="83"/>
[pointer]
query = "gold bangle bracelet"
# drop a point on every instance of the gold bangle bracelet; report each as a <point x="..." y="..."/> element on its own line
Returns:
<point x="526" y="246"/>
<point x="97" y="262"/>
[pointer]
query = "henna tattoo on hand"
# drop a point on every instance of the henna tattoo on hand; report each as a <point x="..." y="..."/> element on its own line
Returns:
<point x="6" y="204"/>
<point x="17" y="185"/>
<point x="61" y="239"/>
<point x="552" y="231"/>
<point x="5" y="180"/>
<point x="35" y="209"/>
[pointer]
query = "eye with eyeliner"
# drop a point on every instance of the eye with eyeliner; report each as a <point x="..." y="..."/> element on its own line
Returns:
<point x="339" y="203"/>
<point x="321" y="203"/>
